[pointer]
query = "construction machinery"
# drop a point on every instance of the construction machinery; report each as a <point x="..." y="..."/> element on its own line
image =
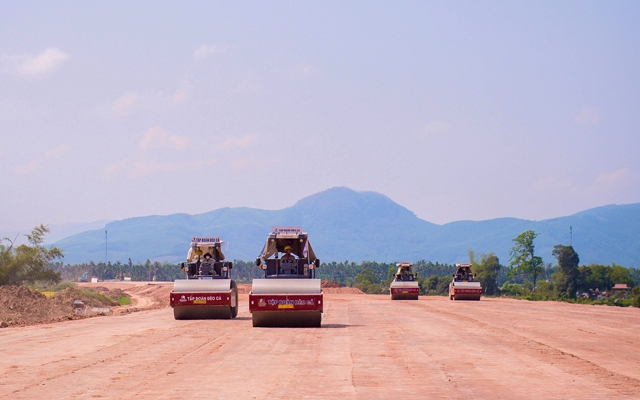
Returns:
<point x="464" y="285"/>
<point x="289" y="295"/>
<point x="405" y="283"/>
<point x="83" y="278"/>
<point x="207" y="292"/>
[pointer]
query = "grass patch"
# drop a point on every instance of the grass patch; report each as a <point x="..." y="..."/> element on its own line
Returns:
<point x="98" y="296"/>
<point x="50" y="290"/>
<point x="124" y="301"/>
<point x="89" y="296"/>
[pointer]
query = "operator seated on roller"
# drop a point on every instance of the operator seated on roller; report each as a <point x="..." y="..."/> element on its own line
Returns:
<point x="464" y="275"/>
<point x="206" y="268"/>
<point x="288" y="262"/>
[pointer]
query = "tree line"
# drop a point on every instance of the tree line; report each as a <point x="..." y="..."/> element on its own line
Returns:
<point x="567" y="278"/>
<point x="524" y="275"/>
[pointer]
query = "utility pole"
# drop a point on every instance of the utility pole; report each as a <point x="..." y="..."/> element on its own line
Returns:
<point x="106" y="259"/>
<point x="571" y="235"/>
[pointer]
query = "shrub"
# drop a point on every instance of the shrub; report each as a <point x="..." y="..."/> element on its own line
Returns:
<point x="635" y="299"/>
<point x="513" y="289"/>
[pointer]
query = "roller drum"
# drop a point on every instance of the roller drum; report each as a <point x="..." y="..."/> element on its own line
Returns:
<point x="465" y="291"/>
<point x="225" y="288"/>
<point x="286" y="286"/>
<point x="201" y="285"/>
<point x="404" y="290"/>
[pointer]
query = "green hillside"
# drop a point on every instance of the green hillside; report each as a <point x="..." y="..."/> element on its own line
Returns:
<point x="355" y="226"/>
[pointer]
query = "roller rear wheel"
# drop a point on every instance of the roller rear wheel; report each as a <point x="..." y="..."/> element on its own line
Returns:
<point x="234" y="308"/>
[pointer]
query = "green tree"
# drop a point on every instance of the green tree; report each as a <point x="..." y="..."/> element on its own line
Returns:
<point x="29" y="263"/>
<point x="634" y="274"/>
<point x="594" y="276"/>
<point x="391" y="274"/>
<point x="435" y="284"/>
<point x="523" y="258"/>
<point x="431" y="284"/>
<point x="367" y="281"/>
<point x="635" y="299"/>
<point x="486" y="271"/>
<point x="603" y="277"/>
<point x="365" y="277"/>
<point x="619" y="274"/>
<point x="568" y="274"/>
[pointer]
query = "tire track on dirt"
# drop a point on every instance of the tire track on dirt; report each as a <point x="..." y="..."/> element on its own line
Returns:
<point x="368" y="347"/>
<point x="124" y="348"/>
<point x="566" y="361"/>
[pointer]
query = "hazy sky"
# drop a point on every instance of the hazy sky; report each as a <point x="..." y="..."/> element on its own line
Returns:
<point x="454" y="109"/>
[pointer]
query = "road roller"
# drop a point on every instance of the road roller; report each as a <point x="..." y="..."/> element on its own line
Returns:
<point x="289" y="295"/>
<point x="464" y="285"/>
<point x="207" y="292"/>
<point x="405" y="283"/>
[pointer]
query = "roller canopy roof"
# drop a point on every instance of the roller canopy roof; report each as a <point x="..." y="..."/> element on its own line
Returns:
<point x="215" y="249"/>
<point x="404" y="267"/>
<point x="299" y="242"/>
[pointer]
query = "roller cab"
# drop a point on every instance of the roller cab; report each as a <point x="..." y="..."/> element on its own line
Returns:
<point x="207" y="292"/>
<point x="464" y="285"/>
<point x="405" y="283"/>
<point x="289" y="295"/>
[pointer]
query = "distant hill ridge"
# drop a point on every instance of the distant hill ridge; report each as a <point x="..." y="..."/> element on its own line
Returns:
<point x="347" y="225"/>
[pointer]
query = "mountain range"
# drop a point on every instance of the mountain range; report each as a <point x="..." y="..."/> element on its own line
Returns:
<point x="347" y="225"/>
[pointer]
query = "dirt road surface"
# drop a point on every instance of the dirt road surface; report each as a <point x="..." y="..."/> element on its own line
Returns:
<point x="368" y="347"/>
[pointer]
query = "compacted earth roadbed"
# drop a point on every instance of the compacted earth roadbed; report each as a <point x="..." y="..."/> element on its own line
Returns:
<point x="367" y="347"/>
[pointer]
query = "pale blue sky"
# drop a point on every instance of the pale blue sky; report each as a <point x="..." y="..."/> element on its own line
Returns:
<point x="455" y="110"/>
